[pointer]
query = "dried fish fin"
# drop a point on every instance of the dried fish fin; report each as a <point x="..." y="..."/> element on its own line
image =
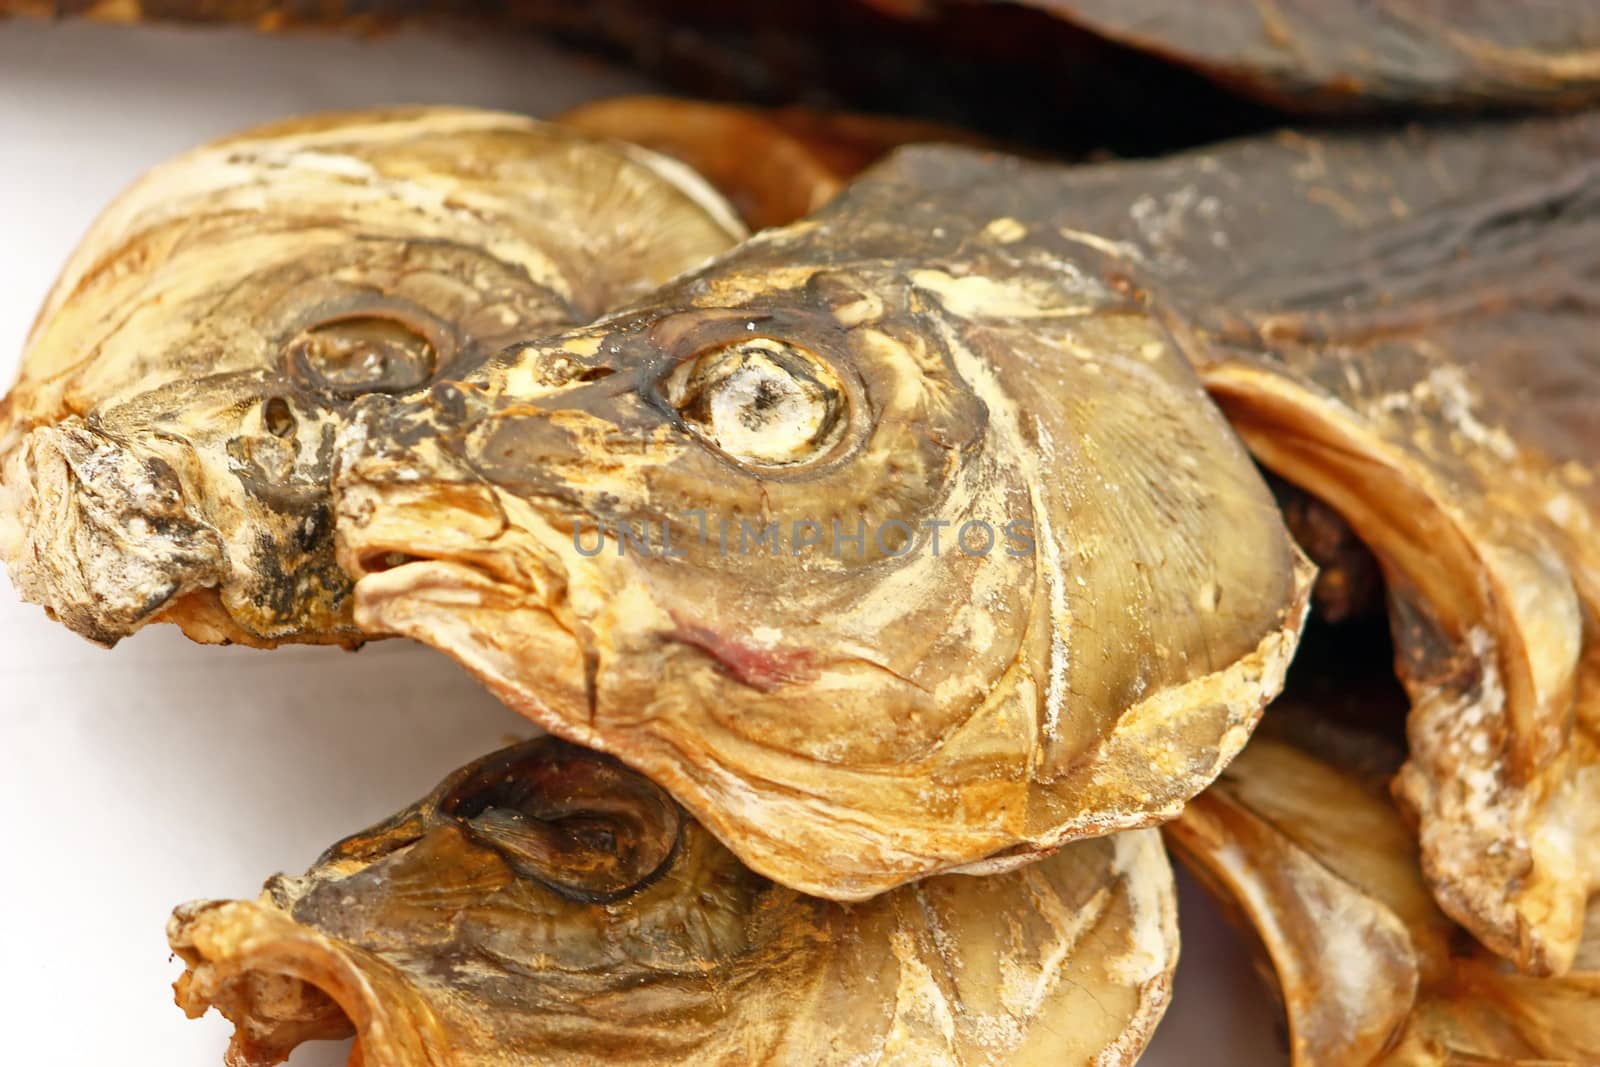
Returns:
<point x="1343" y="961"/>
<point x="436" y="948"/>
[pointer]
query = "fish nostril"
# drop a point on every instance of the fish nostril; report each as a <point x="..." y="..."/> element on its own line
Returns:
<point x="278" y="417"/>
<point x="449" y="402"/>
<point x="594" y="374"/>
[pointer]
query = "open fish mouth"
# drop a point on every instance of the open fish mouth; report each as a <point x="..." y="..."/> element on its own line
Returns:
<point x="434" y="556"/>
<point x="282" y="985"/>
<point x="546" y="904"/>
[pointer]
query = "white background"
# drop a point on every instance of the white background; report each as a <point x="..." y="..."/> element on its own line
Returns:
<point x="163" y="771"/>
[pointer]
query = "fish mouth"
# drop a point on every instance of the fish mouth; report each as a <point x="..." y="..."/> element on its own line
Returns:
<point x="434" y="557"/>
<point x="103" y="537"/>
<point x="110" y="533"/>
<point x="282" y="984"/>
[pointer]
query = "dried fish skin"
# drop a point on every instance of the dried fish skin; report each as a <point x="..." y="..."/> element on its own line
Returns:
<point x="1343" y="56"/>
<point x="166" y="451"/>
<point x="465" y="932"/>
<point x="1337" y="56"/>
<point x="847" y="721"/>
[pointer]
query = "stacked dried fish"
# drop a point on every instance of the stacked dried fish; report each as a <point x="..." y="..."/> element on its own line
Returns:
<point x="677" y="495"/>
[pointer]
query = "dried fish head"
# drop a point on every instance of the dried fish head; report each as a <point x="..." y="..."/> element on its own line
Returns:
<point x="547" y="903"/>
<point x="701" y="534"/>
<point x="167" y="449"/>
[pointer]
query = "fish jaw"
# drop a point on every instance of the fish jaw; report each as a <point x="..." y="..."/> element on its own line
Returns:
<point x="282" y="984"/>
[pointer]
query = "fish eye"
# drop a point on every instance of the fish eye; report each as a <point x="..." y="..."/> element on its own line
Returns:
<point x="357" y="354"/>
<point x="761" y="401"/>
<point x="573" y="820"/>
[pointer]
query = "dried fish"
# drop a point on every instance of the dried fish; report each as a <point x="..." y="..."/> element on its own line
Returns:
<point x="1300" y="838"/>
<point x="890" y="543"/>
<point x="167" y="449"/>
<point x="548" y="904"/>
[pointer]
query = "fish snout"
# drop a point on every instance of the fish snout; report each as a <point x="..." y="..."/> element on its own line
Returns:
<point x="103" y="535"/>
<point x="418" y="527"/>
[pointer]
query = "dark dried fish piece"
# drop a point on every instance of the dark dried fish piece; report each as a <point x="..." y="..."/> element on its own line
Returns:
<point x="1302" y="55"/>
<point x="1355" y="55"/>
<point x="548" y="904"/>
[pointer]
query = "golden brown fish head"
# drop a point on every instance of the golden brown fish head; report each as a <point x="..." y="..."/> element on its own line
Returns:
<point x="889" y="543"/>
<point x="168" y="448"/>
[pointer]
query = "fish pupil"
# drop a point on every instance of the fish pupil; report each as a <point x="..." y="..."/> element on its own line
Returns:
<point x="763" y="401"/>
<point x="766" y="398"/>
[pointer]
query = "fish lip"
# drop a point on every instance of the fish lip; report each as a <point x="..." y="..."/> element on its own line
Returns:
<point x="407" y="535"/>
<point x="282" y="983"/>
<point x="441" y="581"/>
<point x="392" y="548"/>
